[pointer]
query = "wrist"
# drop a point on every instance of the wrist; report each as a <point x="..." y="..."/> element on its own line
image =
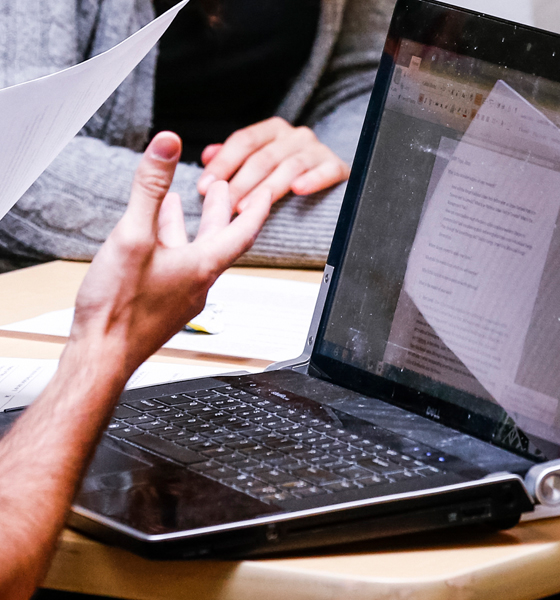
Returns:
<point x="98" y="363"/>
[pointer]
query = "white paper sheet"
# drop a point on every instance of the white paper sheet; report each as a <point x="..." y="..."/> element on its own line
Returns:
<point x="23" y="379"/>
<point x="40" y="117"/>
<point x="263" y="318"/>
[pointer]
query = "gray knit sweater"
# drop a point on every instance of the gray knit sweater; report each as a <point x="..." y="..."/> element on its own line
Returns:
<point x="71" y="208"/>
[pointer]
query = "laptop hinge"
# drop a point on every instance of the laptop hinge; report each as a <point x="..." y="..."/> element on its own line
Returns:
<point x="301" y="363"/>
<point x="543" y="483"/>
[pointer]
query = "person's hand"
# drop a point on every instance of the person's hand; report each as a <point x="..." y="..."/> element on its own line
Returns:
<point x="271" y="155"/>
<point x="147" y="280"/>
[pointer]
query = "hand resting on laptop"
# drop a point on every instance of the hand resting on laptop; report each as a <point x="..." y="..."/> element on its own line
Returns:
<point x="143" y="285"/>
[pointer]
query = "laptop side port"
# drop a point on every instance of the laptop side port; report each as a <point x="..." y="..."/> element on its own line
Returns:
<point x="474" y="513"/>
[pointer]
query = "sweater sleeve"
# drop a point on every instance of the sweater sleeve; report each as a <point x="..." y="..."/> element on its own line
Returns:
<point x="353" y="64"/>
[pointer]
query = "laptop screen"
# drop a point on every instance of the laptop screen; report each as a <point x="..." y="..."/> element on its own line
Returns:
<point x="446" y="295"/>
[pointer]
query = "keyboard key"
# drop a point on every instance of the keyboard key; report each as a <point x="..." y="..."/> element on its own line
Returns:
<point x="238" y="480"/>
<point x="258" y="488"/>
<point x="123" y="412"/>
<point x="329" y="462"/>
<point x="114" y="424"/>
<point x="166" y="448"/>
<point x="184" y="438"/>
<point x="172" y="400"/>
<point x="220" y="473"/>
<point x="278" y="497"/>
<point x="193" y="424"/>
<point x="143" y="405"/>
<point x="302" y="452"/>
<point x="139" y="419"/>
<point x="236" y="408"/>
<point x="205" y="394"/>
<point x="277" y="443"/>
<point x="428" y="471"/>
<point x="213" y="414"/>
<point x="264" y="404"/>
<point x="295" y="486"/>
<point x="228" y="438"/>
<point x="331" y="430"/>
<point x="250" y="429"/>
<point x="204" y="446"/>
<point x="371" y="480"/>
<point x="254" y="450"/>
<point x="340" y="486"/>
<point x="352" y="473"/>
<point x="216" y="452"/>
<point x="155" y="424"/>
<point x="245" y="464"/>
<point x="125" y="433"/>
<point x="273" y="477"/>
<point x="310" y="491"/>
<point x="316" y="476"/>
<point x="309" y="454"/>
<point x="402" y="476"/>
<point x="378" y="465"/>
<point x="237" y="394"/>
<point x="161" y="413"/>
<point x="308" y="436"/>
<point x="230" y="458"/>
<point x="201" y="467"/>
<point x="179" y="418"/>
<point x="241" y="445"/>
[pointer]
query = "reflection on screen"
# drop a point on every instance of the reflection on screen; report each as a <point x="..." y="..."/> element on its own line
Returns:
<point x="451" y="276"/>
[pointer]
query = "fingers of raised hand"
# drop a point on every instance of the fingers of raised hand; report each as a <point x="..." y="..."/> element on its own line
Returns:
<point x="151" y="183"/>
<point x="226" y="244"/>
<point x="216" y="211"/>
<point x="171" y="223"/>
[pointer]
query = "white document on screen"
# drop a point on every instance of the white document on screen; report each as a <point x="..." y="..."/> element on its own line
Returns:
<point x="40" y="117"/>
<point x="478" y="258"/>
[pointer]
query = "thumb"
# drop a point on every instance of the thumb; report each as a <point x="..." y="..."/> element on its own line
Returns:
<point x="151" y="182"/>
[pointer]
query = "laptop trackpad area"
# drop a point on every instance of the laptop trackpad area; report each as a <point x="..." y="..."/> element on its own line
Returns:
<point x="161" y="497"/>
<point x="109" y="460"/>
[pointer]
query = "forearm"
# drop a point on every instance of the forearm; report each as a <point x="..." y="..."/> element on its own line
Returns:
<point x="144" y="284"/>
<point x="43" y="456"/>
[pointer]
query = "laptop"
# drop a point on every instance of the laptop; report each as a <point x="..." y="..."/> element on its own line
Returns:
<point x="427" y="394"/>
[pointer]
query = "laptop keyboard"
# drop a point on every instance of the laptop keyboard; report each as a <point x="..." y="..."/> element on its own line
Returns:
<point x="267" y="450"/>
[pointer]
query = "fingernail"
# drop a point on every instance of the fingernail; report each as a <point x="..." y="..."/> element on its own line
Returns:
<point x="164" y="147"/>
<point x="205" y="181"/>
<point x="242" y="205"/>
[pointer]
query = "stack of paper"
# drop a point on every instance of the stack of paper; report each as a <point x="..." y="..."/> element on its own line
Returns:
<point x="263" y="318"/>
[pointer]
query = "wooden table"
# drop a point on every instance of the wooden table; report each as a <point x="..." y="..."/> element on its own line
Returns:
<point x="520" y="564"/>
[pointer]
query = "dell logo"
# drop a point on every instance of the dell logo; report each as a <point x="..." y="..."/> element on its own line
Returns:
<point x="432" y="412"/>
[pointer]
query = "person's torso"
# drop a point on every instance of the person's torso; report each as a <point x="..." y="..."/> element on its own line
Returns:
<point x="217" y="75"/>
